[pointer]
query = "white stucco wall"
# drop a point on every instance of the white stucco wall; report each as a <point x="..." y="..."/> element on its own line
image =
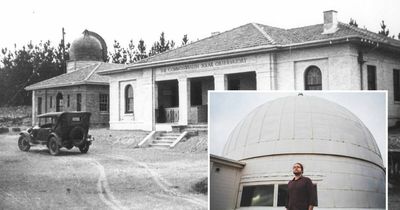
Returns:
<point x="338" y="65"/>
<point x="385" y="63"/>
<point x="142" y="116"/>
<point x="342" y="182"/>
<point x="224" y="185"/>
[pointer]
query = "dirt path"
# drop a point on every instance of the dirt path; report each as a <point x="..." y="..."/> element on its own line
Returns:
<point x="108" y="177"/>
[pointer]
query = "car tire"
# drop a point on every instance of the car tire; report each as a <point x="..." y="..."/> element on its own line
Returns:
<point x="54" y="148"/>
<point x="77" y="135"/>
<point x="84" y="148"/>
<point x="23" y="143"/>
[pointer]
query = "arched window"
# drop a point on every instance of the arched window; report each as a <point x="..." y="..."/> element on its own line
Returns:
<point x="312" y="78"/>
<point x="128" y="99"/>
<point x="59" y="102"/>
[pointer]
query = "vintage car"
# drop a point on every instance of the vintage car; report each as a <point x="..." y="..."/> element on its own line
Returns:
<point x="57" y="130"/>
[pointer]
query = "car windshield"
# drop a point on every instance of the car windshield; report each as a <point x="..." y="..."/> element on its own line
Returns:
<point x="46" y="122"/>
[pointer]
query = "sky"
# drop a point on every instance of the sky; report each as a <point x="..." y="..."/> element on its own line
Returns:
<point x="122" y="20"/>
<point x="227" y="109"/>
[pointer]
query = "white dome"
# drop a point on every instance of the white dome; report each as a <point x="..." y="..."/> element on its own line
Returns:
<point x="302" y="125"/>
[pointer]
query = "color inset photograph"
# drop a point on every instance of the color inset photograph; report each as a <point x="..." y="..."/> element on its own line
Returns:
<point x="298" y="150"/>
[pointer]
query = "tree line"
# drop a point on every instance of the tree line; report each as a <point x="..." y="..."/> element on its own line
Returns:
<point x="383" y="31"/>
<point x="33" y="63"/>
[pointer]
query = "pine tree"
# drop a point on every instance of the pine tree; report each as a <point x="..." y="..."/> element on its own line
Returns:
<point x="353" y="22"/>
<point x="185" y="40"/>
<point x="119" y="55"/>
<point x="26" y="66"/>
<point x="131" y="52"/>
<point x="384" y="31"/>
<point x="161" y="46"/>
<point x="141" y="53"/>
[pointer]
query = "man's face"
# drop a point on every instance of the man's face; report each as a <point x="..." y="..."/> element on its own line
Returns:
<point x="297" y="169"/>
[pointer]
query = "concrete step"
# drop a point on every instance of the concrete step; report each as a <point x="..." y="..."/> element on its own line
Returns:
<point x="197" y="126"/>
<point x="196" y="129"/>
<point x="159" y="144"/>
<point x="170" y="134"/>
<point x="163" y="141"/>
<point x="166" y="138"/>
<point x="200" y="124"/>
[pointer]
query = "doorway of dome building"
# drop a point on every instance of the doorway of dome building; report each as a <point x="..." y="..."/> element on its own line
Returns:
<point x="199" y="87"/>
<point x="242" y="81"/>
<point x="167" y="101"/>
<point x="59" y="102"/>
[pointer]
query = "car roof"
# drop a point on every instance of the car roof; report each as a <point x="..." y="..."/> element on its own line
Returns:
<point x="57" y="114"/>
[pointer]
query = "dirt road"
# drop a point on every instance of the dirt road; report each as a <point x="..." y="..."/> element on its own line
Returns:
<point x="109" y="176"/>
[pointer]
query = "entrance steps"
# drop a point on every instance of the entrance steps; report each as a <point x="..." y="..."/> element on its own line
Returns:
<point x="162" y="139"/>
<point x="165" y="139"/>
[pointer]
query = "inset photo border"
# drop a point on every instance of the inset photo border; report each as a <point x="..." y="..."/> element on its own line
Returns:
<point x="340" y="137"/>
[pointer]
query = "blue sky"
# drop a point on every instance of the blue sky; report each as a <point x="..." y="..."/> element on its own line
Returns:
<point x="228" y="108"/>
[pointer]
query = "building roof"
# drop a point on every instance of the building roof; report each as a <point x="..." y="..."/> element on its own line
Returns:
<point x="301" y="125"/>
<point x="253" y="37"/>
<point x="82" y="76"/>
<point x="226" y="161"/>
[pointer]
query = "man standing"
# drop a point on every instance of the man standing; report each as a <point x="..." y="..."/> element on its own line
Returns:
<point x="301" y="193"/>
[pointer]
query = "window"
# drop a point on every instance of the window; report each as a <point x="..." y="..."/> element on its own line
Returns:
<point x="39" y="106"/>
<point x="59" y="102"/>
<point x="103" y="99"/>
<point x="67" y="100"/>
<point x="282" y="194"/>
<point x="313" y="78"/>
<point x="128" y="99"/>
<point x="260" y="195"/>
<point x="51" y="101"/>
<point x="396" y="84"/>
<point x="76" y="119"/>
<point x="263" y="195"/>
<point x="371" y="74"/>
<point x="78" y="102"/>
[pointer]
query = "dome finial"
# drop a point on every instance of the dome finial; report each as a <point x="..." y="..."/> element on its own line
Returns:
<point x="85" y="32"/>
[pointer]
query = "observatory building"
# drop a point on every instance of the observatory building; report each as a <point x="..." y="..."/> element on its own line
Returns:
<point x="169" y="89"/>
<point x="80" y="88"/>
<point x="337" y="150"/>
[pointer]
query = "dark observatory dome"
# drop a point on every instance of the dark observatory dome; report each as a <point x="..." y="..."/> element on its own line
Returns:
<point x="89" y="47"/>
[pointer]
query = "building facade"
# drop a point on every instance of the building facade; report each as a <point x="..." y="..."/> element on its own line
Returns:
<point x="80" y="88"/>
<point x="171" y="88"/>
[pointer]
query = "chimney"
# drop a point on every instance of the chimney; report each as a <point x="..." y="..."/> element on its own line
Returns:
<point x="330" y="22"/>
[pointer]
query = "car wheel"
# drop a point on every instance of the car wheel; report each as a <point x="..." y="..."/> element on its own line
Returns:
<point x="23" y="143"/>
<point x="77" y="135"/>
<point x="54" y="149"/>
<point x="84" y="148"/>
